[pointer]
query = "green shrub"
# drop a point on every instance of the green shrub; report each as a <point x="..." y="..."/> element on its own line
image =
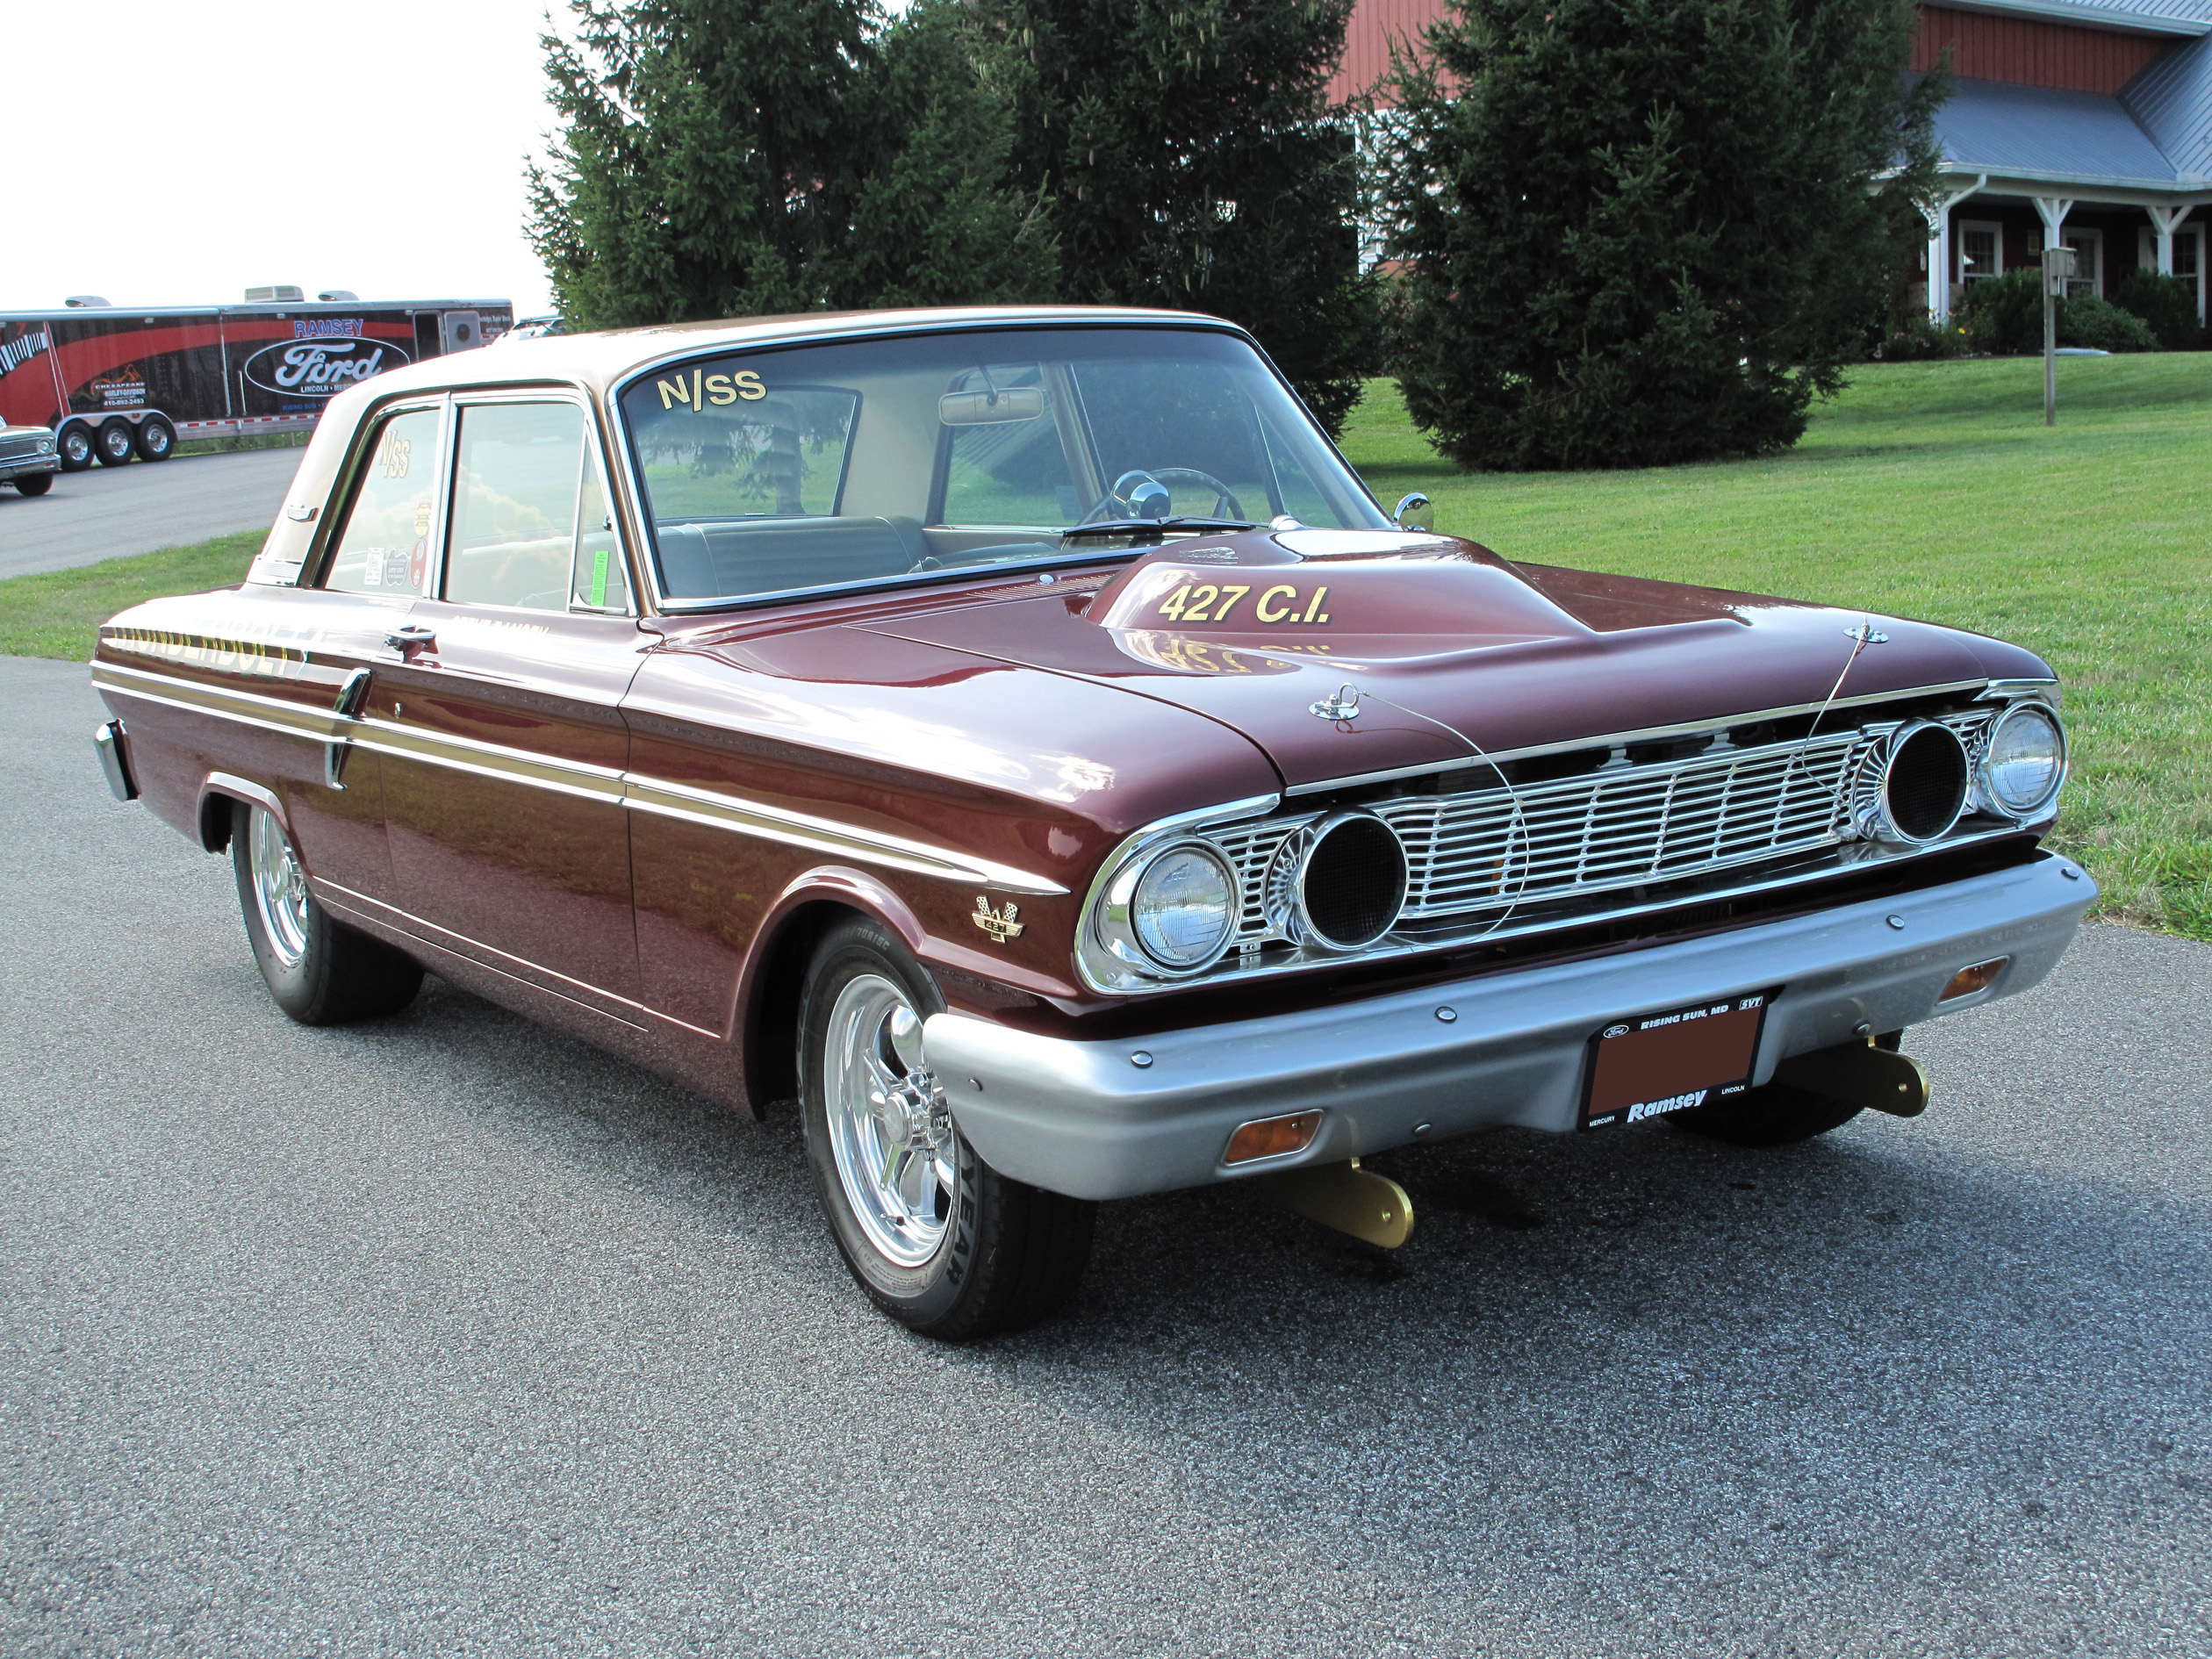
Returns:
<point x="2003" y="316"/>
<point x="2167" y="305"/>
<point x="2091" y="321"/>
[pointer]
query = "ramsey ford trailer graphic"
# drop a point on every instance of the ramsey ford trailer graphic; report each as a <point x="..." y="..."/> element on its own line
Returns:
<point x="112" y="382"/>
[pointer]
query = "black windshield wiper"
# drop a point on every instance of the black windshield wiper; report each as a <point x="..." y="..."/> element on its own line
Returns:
<point x="1138" y="527"/>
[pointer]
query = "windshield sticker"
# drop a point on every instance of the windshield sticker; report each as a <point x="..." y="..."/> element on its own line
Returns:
<point x="398" y="452"/>
<point x="703" y="389"/>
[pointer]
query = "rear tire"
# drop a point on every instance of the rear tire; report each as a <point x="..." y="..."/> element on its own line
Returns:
<point x="115" y="444"/>
<point x="939" y="1239"/>
<point x="156" y="440"/>
<point x="34" y="483"/>
<point x="320" y="972"/>
<point x="75" y="447"/>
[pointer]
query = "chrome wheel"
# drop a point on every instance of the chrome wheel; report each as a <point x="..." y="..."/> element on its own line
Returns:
<point x="889" y="1131"/>
<point x="280" y="888"/>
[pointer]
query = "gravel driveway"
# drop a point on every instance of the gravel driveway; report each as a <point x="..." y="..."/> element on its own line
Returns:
<point x="448" y="1336"/>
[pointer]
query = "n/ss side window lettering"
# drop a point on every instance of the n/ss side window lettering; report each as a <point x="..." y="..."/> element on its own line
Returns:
<point x="385" y="545"/>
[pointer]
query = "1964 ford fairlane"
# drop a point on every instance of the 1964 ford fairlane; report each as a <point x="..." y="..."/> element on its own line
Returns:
<point x="1018" y="736"/>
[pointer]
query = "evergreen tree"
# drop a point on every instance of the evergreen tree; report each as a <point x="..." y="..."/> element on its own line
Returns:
<point x="1639" y="232"/>
<point x="726" y="158"/>
<point x="1192" y="162"/>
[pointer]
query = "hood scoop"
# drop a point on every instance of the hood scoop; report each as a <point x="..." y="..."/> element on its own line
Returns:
<point x="1375" y="595"/>
<point x="1362" y="654"/>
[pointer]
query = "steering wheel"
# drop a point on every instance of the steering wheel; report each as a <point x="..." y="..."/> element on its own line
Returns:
<point x="1138" y="494"/>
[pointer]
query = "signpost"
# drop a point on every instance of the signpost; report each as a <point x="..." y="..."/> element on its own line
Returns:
<point x="2057" y="265"/>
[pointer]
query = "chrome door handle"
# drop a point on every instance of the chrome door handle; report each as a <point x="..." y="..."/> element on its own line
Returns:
<point x="412" y="638"/>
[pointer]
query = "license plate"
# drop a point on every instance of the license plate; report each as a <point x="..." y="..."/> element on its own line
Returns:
<point x="1652" y="1064"/>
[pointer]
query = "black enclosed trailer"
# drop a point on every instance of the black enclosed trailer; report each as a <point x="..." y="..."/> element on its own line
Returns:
<point x="114" y="382"/>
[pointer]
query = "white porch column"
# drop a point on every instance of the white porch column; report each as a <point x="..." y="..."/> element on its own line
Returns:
<point x="1939" y="249"/>
<point x="2163" y="221"/>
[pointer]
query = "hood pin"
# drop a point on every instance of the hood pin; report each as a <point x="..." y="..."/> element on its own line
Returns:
<point x="1344" y="705"/>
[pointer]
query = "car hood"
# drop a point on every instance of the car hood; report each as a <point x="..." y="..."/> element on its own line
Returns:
<point x="1447" y="651"/>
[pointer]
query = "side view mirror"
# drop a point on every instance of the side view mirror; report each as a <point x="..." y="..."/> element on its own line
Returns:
<point x="1414" y="512"/>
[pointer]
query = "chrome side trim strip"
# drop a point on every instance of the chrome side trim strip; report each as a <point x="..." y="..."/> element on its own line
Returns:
<point x="615" y="787"/>
<point x="820" y="835"/>
<point x="1646" y="734"/>
<point x="269" y="714"/>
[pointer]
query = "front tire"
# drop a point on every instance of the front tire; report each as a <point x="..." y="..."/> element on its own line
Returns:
<point x="320" y="972"/>
<point x="939" y="1239"/>
<point x="34" y="483"/>
<point x="115" y="443"/>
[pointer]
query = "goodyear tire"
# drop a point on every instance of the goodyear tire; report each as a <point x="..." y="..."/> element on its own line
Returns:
<point x="75" y="447"/>
<point x="115" y="443"/>
<point x="937" y="1238"/>
<point x="35" y="483"/>
<point x="156" y="439"/>
<point x="320" y="972"/>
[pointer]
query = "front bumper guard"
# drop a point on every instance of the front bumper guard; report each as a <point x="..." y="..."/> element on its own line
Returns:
<point x="1153" y="1114"/>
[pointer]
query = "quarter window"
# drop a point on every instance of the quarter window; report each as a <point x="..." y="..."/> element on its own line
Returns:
<point x="385" y="547"/>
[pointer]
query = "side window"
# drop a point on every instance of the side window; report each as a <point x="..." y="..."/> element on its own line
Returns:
<point x="385" y="545"/>
<point x="514" y="488"/>
<point x="600" y="582"/>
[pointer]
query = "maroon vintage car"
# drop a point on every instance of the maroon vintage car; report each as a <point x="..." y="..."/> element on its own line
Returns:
<point x="1019" y="737"/>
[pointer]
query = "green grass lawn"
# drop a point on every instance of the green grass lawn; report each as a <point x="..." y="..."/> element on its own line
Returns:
<point x="58" y="615"/>
<point x="1927" y="489"/>
<point x="1935" y="491"/>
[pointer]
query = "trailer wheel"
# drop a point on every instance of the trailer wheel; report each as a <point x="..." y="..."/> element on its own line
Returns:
<point x="74" y="446"/>
<point x="116" y="443"/>
<point x="156" y="439"/>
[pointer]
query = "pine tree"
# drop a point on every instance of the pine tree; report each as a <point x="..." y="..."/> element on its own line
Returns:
<point x="1193" y="161"/>
<point x="726" y="158"/>
<point x="1639" y="232"/>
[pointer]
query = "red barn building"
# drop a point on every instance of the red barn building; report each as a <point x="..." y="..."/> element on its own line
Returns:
<point x="2090" y="120"/>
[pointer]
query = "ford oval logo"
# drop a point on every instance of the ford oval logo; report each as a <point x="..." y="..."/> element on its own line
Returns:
<point x="319" y="367"/>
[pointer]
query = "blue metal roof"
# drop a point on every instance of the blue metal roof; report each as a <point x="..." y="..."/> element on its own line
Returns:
<point x="2142" y="16"/>
<point x="2171" y="100"/>
<point x="2030" y="132"/>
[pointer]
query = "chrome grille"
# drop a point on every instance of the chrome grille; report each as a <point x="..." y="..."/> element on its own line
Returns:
<point x="1622" y="826"/>
<point x="18" y="448"/>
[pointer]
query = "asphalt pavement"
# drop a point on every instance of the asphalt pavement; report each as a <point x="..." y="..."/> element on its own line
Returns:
<point x="446" y="1335"/>
<point x="111" y="513"/>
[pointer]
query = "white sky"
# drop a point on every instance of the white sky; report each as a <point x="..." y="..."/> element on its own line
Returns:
<point x="179" y="153"/>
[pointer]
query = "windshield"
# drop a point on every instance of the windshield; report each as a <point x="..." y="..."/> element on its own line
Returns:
<point x="876" y="461"/>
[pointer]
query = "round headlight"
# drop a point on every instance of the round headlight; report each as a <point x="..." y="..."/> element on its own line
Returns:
<point x="2026" y="759"/>
<point x="1183" y="908"/>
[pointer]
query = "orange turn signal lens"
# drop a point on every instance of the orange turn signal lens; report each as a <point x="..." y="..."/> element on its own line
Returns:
<point x="1272" y="1137"/>
<point x="1979" y="977"/>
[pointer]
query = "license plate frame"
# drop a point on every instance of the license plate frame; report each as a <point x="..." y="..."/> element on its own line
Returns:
<point x="1649" y="1065"/>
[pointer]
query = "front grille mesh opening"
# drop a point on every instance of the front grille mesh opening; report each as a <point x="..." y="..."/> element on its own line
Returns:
<point x="1354" y="882"/>
<point x="1927" y="784"/>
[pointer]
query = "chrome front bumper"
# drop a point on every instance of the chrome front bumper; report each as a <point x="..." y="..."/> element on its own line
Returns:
<point x="30" y="465"/>
<point x="1093" y="1120"/>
